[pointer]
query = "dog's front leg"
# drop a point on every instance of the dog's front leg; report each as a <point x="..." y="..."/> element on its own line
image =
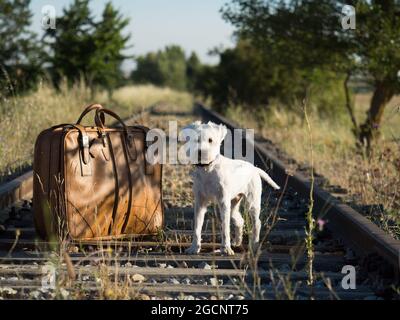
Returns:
<point x="225" y="212"/>
<point x="200" y="209"/>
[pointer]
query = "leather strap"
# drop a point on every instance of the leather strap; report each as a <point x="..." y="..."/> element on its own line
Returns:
<point x="94" y="106"/>
<point x="149" y="168"/>
<point x="84" y="144"/>
<point x="128" y="138"/>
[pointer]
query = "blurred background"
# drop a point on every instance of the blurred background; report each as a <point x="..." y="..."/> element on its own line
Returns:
<point x="262" y="63"/>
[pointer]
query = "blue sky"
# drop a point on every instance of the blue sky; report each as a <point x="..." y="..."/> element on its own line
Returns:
<point x="196" y="25"/>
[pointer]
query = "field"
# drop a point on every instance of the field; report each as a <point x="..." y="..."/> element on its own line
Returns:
<point x="373" y="185"/>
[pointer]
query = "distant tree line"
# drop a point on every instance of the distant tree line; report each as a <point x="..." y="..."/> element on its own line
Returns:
<point x="80" y="47"/>
<point x="294" y="51"/>
<point x="286" y="51"/>
<point x="168" y="67"/>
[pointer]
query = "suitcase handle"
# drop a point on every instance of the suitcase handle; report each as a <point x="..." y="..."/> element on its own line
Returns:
<point x="100" y="121"/>
<point x="149" y="169"/>
<point x="94" y="106"/>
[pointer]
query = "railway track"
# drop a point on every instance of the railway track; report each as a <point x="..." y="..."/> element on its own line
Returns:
<point x="155" y="267"/>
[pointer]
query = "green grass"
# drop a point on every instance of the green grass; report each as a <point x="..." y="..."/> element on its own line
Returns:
<point x="371" y="182"/>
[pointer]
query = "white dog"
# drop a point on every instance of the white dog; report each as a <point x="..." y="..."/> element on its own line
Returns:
<point x="223" y="181"/>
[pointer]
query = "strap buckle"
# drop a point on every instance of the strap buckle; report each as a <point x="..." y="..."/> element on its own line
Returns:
<point x="85" y="141"/>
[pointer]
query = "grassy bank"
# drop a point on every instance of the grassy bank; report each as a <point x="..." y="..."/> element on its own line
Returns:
<point x="23" y="117"/>
<point x="373" y="184"/>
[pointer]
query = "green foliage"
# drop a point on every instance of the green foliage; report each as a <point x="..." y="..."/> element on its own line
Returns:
<point x="84" y="48"/>
<point x="326" y="94"/>
<point x="109" y="43"/>
<point x="376" y="40"/>
<point x="168" y="68"/>
<point x="240" y="78"/>
<point x="72" y="44"/>
<point x="148" y="70"/>
<point x="249" y="76"/>
<point x="193" y="69"/>
<point x="20" y="62"/>
<point x="307" y="35"/>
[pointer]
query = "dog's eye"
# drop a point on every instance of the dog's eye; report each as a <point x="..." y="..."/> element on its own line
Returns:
<point x="210" y="140"/>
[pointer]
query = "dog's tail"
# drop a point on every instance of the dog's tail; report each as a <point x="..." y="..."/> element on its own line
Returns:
<point x="267" y="178"/>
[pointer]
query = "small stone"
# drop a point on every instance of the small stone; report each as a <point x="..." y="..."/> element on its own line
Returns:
<point x="143" y="296"/>
<point x="186" y="281"/>
<point x="138" y="278"/>
<point x="349" y="254"/>
<point x="284" y="267"/>
<point x="64" y="293"/>
<point x="216" y="282"/>
<point x="128" y="264"/>
<point x="174" y="281"/>
<point x="34" y="294"/>
<point x="162" y="265"/>
<point x="8" y="290"/>
<point x="75" y="249"/>
<point x="169" y="267"/>
<point x="204" y="265"/>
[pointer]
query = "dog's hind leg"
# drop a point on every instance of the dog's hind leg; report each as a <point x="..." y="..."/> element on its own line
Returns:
<point x="237" y="220"/>
<point x="254" y="211"/>
<point x="254" y="205"/>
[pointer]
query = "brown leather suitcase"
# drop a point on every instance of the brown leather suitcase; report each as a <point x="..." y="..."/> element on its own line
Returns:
<point x="94" y="182"/>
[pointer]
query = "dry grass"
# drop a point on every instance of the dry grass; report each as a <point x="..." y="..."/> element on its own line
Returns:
<point x="373" y="184"/>
<point x="142" y="96"/>
<point x="22" y="118"/>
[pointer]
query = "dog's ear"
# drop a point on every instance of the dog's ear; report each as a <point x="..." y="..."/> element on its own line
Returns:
<point x="222" y="131"/>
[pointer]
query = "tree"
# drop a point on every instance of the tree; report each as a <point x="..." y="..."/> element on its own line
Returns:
<point x="20" y="56"/>
<point x="81" y="47"/>
<point x="147" y="70"/>
<point x="193" y="69"/>
<point x="164" y="68"/>
<point x="172" y="63"/>
<point x="376" y="42"/>
<point x="308" y="35"/>
<point x="241" y="78"/>
<point x="109" y="43"/>
<point x="72" y="43"/>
